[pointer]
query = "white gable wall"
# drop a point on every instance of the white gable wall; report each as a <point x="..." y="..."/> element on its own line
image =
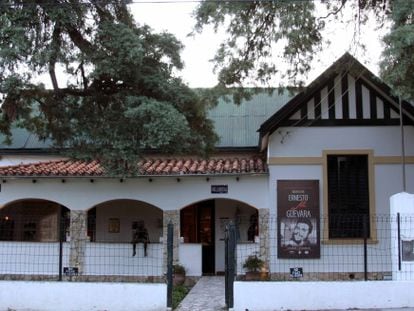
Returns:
<point x="310" y="141"/>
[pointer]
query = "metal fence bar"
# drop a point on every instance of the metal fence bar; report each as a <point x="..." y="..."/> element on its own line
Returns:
<point x="170" y="232"/>
<point x="399" y="240"/>
<point x="24" y="255"/>
<point x="230" y="269"/>
<point x="61" y="239"/>
<point x="226" y="263"/>
<point x="365" y="230"/>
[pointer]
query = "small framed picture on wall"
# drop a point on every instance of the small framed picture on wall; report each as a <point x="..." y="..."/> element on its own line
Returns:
<point x="113" y="225"/>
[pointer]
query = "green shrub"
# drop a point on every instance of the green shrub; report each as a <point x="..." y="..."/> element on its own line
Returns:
<point x="178" y="269"/>
<point x="178" y="294"/>
<point x="253" y="263"/>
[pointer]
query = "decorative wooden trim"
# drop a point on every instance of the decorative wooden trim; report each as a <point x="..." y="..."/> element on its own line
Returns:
<point x="348" y="241"/>
<point x="387" y="110"/>
<point x="376" y="160"/>
<point x="345" y="122"/>
<point x="345" y="96"/>
<point x="304" y="112"/>
<point x="317" y="104"/>
<point x="371" y="190"/>
<point x="358" y="99"/>
<point x="373" y="104"/>
<point x="331" y="99"/>
<point x="393" y="160"/>
<point x="295" y="161"/>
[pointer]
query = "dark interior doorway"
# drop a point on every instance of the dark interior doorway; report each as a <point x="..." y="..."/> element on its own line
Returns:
<point x="198" y="226"/>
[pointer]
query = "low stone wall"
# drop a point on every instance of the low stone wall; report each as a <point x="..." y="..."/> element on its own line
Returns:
<point x="334" y="276"/>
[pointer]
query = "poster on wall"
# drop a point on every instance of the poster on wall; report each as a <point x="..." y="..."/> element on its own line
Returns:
<point x="298" y="219"/>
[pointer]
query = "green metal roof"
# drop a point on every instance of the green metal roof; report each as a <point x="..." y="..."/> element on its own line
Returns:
<point x="237" y="125"/>
<point x="23" y="139"/>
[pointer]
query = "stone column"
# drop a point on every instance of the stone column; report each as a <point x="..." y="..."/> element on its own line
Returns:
<point x="264" y="235"/>
<point x="78" y="238"/>
<point x="174" y="217"/>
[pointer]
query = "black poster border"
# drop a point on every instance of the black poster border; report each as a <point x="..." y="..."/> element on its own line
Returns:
<point x="298" y="221"/>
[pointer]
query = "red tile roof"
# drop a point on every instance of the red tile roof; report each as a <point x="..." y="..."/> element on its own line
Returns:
<point x="147" y="167"/>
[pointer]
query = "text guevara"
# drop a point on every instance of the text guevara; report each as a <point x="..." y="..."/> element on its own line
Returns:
<point x="298" y="210"/>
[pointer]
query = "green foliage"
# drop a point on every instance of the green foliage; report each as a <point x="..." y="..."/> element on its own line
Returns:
<point x="178" y="294"/>
<point x="263" y="34"/>
<point x="178" y="269"/>
<point x="398" y="56"/>
<point x="121" y="96"/>
<point x="255" y="30"/>
<point x="253" y="263"/>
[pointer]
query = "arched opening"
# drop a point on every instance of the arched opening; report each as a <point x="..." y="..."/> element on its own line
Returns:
<point x="203" y="223"/>
<point x="33" y="220"/>
<point x="114" y="221"/>
<point x="113" y="251"/>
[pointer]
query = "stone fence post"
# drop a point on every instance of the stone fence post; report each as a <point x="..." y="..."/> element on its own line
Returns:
<point x="264" y="235"/>
<point x="78" y="238"/>
<point x="174" y="217"/>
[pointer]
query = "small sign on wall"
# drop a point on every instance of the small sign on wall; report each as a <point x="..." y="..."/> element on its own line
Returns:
<point x="408" y="250"/>
<point x="296" y="272"/>
<point x="70" y="271"/>
<point x="219" y="188"/>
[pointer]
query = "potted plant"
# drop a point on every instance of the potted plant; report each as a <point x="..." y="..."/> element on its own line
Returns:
<point x="178" y="274"/>
<point x="254" y="267"/>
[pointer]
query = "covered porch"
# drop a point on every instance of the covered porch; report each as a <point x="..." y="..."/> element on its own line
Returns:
<point x="87" y="220"/>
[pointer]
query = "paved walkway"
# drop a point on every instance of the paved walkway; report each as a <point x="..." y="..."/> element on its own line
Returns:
<point x="206" y="295"/>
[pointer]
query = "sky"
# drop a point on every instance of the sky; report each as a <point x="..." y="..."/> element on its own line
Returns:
<point x="176" y="18"/>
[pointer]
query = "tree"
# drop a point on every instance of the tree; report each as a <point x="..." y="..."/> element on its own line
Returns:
<point x="397" y="66"/>
<point x="261" y="31"/>
<point x="120" y="96"/>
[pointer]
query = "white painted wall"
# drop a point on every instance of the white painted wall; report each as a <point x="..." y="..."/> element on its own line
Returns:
<point x="310" y="141"/>
<point x="117" y="259"/>
<point x="261" y="296"/>
<point x="33" y="258"/>
<point x="227" y="211"/>
<point x="402" y="204"/>
<point x="190" y="255"/>
<point x="163" y="192"/>
<point x="67" y="296"/>
<point x="127" y="212"/>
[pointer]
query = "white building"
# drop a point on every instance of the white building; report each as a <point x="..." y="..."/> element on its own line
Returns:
<point x="331" y="154"/>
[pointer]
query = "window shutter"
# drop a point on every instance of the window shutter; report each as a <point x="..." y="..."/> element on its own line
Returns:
<point x="348" y="196"/>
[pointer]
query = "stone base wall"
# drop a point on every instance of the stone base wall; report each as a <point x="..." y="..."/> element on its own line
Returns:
<point x="331" y="276"/>
<point x="84" y="278"/>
